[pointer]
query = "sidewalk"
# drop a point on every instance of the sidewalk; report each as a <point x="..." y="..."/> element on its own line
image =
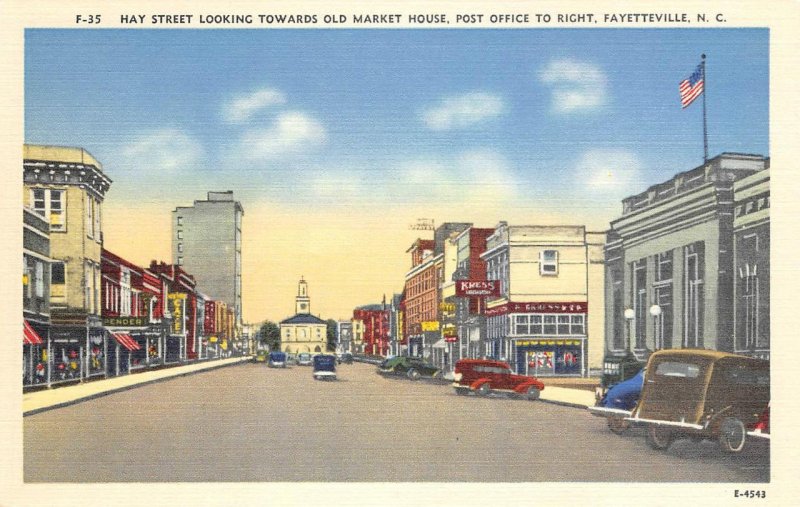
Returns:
<point x="39" y="401"/>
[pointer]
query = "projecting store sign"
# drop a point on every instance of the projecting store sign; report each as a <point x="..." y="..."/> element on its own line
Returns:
<point x="477" y="288"/>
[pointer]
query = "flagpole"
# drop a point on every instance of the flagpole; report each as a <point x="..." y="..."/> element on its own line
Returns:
<point x="705" y="127"/>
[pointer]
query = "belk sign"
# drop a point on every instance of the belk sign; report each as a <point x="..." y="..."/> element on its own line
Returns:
<point x="477" y="288"/>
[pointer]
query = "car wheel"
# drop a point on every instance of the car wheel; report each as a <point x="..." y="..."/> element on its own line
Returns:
<point x="484" y="389"/>
<point x="659" y="437"/>
<point x="732" y="435"/>
<point x="413" y="374"/>
<point x="461" y="391"/>
<point x="617" y="425"/>
<point x="532" y="393"/>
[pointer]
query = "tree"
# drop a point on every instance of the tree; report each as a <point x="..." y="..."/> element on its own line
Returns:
<point x="331" y="334"/>
<point x="270" y="335"/>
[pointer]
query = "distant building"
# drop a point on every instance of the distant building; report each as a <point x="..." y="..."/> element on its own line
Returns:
<point x="207" y="242"/>
<point x="422" y="298"/>
<point x="66" y="186"/>
<point x="687" y="263"/>
<point x="470" y="321"/>
<point x="375" y="319"/>
<point x="303" y="332"/>
<point x="344" y="336"/>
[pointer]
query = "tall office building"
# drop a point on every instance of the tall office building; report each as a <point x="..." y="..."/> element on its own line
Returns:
<point x="207" y="243"/>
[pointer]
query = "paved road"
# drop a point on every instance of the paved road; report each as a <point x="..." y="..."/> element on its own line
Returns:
<point x="252" y="423"/>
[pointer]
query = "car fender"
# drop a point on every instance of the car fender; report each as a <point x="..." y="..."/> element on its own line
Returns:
<point x="525" y="385"/>
<point x="483" y="380"/>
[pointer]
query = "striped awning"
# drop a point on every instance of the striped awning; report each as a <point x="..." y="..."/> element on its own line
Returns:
<point x="126" y="341"/>
<point x="29" y="335"/>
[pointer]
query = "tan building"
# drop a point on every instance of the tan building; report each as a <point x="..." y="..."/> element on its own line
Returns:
<point x="549" y="318"/>
<point x="303" y="332"/>
<point x="67" y="187"/>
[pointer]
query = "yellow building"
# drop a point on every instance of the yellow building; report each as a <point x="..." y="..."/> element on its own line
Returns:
<point x="67" y="187"/>
<point x="303" y="332"/>
<point x="549" y="318"/>
<point x="358" y="336"/>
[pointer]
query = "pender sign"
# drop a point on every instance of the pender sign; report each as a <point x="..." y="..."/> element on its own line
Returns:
<point x="477" y="288"/>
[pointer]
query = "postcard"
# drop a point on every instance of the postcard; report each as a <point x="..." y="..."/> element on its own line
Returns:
<point x="359" y="254"/>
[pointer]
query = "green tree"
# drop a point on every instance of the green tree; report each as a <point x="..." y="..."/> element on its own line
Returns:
<point x="331" y="335"/>
<point x="270" y="335"/>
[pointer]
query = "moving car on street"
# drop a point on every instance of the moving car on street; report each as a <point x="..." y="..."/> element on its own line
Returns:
<point x="261" y="356"/>
<point x="346" y="358"/>
<point x="410" y="367"/>
<point x="277" y="359"/>
<point x="324" y="367"/>
<point x="304" y="359"/>
<point x="703" y="394"/>
<point x="485" y="376"/>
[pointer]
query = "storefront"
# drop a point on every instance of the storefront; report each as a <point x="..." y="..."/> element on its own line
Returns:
<point x="68" y="354"/>
<point x="549" y="357"/>
<point x="542" y="339"/>
<point x="35" y="368"/>
<point x="121" y="348"/>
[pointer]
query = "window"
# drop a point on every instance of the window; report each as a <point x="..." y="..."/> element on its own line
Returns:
<point x="521" y="326"/>
<point x="97" y="230"/>
<point x="180" y="247"/>
<point x="548" y="262"/>
<point x="57" y="276"/>
<point x="675" y="369"/>
<point x="550" y="324"/>
<point x="50" y="203"/>
<point x="180" y="261"/>
<point x="180" y="220"/>
<point x="26" y="279"/>
<point x="89" y="217"/>
<point x="577" y="324"/>
<point x="639" y="269"/>
<point x="39" y="279"/>
<point x="563" y="324"/>
<point x="694" y="266"/>
<point x="180" y="234"/>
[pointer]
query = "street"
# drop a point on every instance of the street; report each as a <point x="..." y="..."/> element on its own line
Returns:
<point x="253" y="423"/>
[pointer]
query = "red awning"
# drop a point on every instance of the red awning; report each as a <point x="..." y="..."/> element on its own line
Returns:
<point x="126" y="341"/>
<point x="29" y="335"/>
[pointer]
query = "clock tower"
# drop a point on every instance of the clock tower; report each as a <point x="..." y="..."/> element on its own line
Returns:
<point x="302" y="305"/>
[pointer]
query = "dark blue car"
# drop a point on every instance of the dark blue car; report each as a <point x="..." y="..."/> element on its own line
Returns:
<point x="324" y="367"/>
<point x="277" y="359"/>
<point x="619" y="401"/>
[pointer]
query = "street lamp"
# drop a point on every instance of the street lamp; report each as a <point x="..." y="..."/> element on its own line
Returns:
<point x="655" y="311"/>
<point x="629" y="316"/>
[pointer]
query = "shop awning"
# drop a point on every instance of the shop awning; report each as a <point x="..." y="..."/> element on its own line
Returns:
<point x="126" y="341"/>
<point x="29" y="335"/>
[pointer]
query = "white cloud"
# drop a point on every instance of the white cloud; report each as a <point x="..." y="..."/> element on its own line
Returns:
<point x="163" y="150"/>
<point x="610" y="172"/>
<point x="291" y="132"/>
<point x="242" y="108"/>
<point x="576" y="86"/>
<point x="463" y="111"/>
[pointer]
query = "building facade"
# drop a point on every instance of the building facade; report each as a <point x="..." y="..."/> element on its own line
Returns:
<point x="66" y="186"/>
<point x="375" y="320"/>
<point x="670" y="260"/>
<point x="207" y="242"/>
<point x="550" y="278"/>
<point x="751" y="273"/>
<point x="470" y="321"/>
<point x="303" y="332"/>
<point x="422" y="298"/>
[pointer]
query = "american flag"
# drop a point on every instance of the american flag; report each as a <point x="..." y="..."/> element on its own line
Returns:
<point x="691" y="87"/>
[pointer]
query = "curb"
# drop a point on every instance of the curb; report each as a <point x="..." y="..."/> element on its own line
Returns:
<point x="125" y="388"/>
<point x="565" y="403"/>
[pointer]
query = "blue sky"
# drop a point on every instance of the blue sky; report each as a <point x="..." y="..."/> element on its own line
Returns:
<point x="261" y="111"/>
<point x="336" y="140"/>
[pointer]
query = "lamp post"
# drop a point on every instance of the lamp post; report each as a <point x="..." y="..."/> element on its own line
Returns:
<point x="629" y="316"/>
<point x="655" y="311"/>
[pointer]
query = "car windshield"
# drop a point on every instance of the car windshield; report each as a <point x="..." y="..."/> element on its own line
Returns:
<point x="277" y="356"/>
<point x="324" y="362"/>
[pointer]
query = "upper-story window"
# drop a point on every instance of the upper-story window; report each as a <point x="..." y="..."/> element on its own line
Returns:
<point x="180" y="234"/>
<point x="51" y="204"/>
<point x="548" y="262"/>
<point x="180" y="220"/>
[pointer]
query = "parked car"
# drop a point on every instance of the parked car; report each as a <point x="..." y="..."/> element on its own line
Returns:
<point x="619" y="401"/>
<point x="411" y="367"/>
<point x="346" y="358"/>
<point x="277" y="359"/>
<point x="304" y="359"/>
<point x="291" y="359"/>
<point x="702" y="394"/>
<point x="486" y="376"/>
<point x="261" y="356"/>
<point x="617" y="369"/>
<point x="324" y="367"/>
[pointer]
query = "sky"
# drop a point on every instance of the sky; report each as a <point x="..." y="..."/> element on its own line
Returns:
<point x="335" y="141"/>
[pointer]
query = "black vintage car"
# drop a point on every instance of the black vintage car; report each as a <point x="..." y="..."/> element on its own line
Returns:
<point x="411" y="367"/>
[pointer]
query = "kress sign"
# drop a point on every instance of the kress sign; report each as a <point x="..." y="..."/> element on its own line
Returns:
<point x="477" y="288"/>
